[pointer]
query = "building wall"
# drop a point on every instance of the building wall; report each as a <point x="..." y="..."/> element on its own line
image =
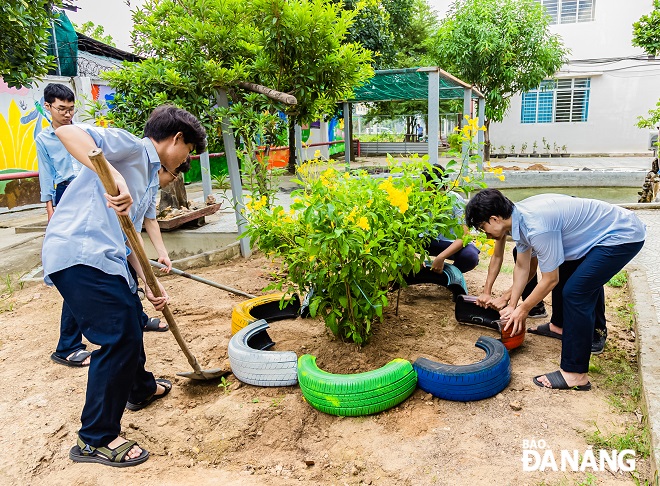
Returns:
<point x="620" y="90"/>
<point x="23" y="116"/>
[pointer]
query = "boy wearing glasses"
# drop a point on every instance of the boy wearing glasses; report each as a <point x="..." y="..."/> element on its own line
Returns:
<point x="56" y="166"/>
<point x="89" y="263"/>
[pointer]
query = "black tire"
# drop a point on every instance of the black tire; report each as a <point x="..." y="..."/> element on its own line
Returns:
<point x="465" y="383"/>
<point x="258" y="367"/>
<point x="356" y="394"/>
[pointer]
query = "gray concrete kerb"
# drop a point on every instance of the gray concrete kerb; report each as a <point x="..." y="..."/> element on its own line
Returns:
<point x="648" y="351"/>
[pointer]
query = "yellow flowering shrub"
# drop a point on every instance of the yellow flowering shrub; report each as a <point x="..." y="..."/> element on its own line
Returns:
<point x="348" y="236"/>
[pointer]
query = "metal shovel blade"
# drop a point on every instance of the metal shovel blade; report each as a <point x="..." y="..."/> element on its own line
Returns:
<point x="205" y="375"/>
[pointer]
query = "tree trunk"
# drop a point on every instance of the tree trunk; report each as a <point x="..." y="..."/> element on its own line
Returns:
<point x="487" y="141"/>
<point x="173" y="195"/>
<point x="291" y="167"/>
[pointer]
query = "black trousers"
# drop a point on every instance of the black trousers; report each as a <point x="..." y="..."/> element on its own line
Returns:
<point x="109" y="315"/>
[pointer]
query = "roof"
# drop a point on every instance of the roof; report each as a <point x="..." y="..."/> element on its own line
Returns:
<point x="410" y="84"/>
<point x="93" y="46"/>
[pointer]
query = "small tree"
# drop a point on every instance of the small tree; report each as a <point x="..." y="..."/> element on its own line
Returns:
<point x="25" y="28"/>
<point x="646" y="31"/>
<point x="646" y="34"/>
<point x="303" y="53"/>
<point x="502" y="47"/>
<point x="95" y="32"/>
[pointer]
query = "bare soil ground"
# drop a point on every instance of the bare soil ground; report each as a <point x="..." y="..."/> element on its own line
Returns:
<point x="203" y="435"/>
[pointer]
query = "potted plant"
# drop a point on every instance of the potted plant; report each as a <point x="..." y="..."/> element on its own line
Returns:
<point x="523" y="150"/>
<point x="502" y="154"/>
<point x="512" y="151"/>
<point x="546" y="148"/>
<point x="534" y="147"/>
<point x="564" y="151"/>
<point x="555" y="148"/>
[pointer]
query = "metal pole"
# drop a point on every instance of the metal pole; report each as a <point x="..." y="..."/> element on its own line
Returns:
<point x="481" y="107"/>
<point x="434" y="115"/>
<point x="467" y="101"/>
<point x="234" y="174"/>
<point x="347" y="136"/>
<point x="299" y="147"/>
<point x="205" y="164"/>
<point x="58" y="70"/>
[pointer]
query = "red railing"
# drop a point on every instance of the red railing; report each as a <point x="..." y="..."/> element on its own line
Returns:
<point x="17" y="175"/>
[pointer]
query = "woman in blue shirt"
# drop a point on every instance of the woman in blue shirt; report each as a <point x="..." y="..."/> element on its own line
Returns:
<point x="87" y="260"/>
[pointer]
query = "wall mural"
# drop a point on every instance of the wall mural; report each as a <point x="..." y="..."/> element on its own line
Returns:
<point x="22" y="117"/>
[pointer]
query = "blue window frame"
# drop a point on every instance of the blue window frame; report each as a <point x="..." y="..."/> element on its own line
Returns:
<point x="563" y="100"/>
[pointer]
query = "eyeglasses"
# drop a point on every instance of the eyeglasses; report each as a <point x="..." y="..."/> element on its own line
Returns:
<point x="170" y="173"/>
<point x="63" y="111"/>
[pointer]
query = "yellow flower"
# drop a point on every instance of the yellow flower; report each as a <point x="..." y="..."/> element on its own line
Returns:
<point x="466" y="179"/>
<point x="363" y="223"/>
<point x="501" y="177"/>
<point x="317" y="154"/>
<point x="490" y="251"/>
<point x="292" y="212"/>
<point x="311" y="258"/>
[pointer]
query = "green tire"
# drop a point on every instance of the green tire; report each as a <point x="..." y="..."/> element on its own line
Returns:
<point x="357" y="394"/>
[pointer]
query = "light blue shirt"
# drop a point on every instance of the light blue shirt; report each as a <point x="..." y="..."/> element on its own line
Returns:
<point x="56" y="165"/>
<point x="562" y="228"/>
<point x="83" y="230"/>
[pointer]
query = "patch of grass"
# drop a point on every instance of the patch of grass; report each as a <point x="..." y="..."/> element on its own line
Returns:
<point x="619" y="280"/>
<point x="635" y="438"/>
<point x="627" y="314"/>
<point x="220" y="181"/>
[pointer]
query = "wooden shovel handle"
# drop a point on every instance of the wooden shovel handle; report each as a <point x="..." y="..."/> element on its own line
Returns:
<point x="103" y="170"/>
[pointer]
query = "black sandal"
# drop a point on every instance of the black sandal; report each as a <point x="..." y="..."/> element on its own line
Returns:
<point x="104" y="455"/>
<point x="134" y="407"/>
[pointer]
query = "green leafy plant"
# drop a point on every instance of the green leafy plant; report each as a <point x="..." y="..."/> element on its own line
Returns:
<point x="523" y="148"/>
<point x="564" y="149"/>
<point x="502" y="149"/>
<point x="348" y="236"/>
<point x="534" y="146"/>
<point x="512" y="149"/>
<point x="619" y="280"/>
<point x="546" y="145"/>
<point x="220" y="181"/>
<point x="555" y="147"/>
<point x="224" y="384"/>
<point x="454" y="141"/>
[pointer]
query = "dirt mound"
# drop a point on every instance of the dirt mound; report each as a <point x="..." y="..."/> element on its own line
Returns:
<point x="537" y="167"/>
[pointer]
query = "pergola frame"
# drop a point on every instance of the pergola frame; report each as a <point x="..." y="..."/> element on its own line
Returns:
<point x="440" y="84"/>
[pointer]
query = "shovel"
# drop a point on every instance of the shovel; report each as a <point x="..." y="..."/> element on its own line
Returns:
<point x="176" y="271"/>
<point x="101" y="164"/>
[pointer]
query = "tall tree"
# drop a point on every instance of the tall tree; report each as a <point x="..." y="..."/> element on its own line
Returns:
<point x="646" y="31"/>
<point x="24" y="31"/>
<point x="95" y="32"/>
<point x="304" y="53"/>
<point x="502" y="47"/>
<point x="646" y="34"/>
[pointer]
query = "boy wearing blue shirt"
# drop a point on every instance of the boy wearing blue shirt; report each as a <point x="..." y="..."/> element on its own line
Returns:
<point x="599" y="237"/>
<point x="87" y="260"/>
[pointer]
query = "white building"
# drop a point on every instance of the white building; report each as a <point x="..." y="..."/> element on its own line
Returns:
<point x="592" y="105"/>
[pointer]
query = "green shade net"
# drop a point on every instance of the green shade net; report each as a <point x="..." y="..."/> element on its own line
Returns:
<point x="405" y="84"/>
<point x="67" y="45"/>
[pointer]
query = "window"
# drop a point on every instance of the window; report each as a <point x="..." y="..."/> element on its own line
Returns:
<point x="569" y="11"/>
<point x="563" y="100"/>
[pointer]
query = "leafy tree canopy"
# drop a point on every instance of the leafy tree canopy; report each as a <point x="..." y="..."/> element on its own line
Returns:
<point x="94" y="31"/>
<point x="502" y="47"/>
<point x="25" y="27"/>
<point x="646" y="31"/>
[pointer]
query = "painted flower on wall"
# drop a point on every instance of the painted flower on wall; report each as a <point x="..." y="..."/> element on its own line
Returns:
<point x="18" y="149"/>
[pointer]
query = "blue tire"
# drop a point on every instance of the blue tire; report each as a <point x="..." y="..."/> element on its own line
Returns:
<point x="466" y="383"/>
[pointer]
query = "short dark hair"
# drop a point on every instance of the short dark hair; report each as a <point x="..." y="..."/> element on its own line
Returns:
<point x="58" y="91"/>
<point x="436" y="175"/>
<point x="167" y="120"/>
<point x="487" y="203"/>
